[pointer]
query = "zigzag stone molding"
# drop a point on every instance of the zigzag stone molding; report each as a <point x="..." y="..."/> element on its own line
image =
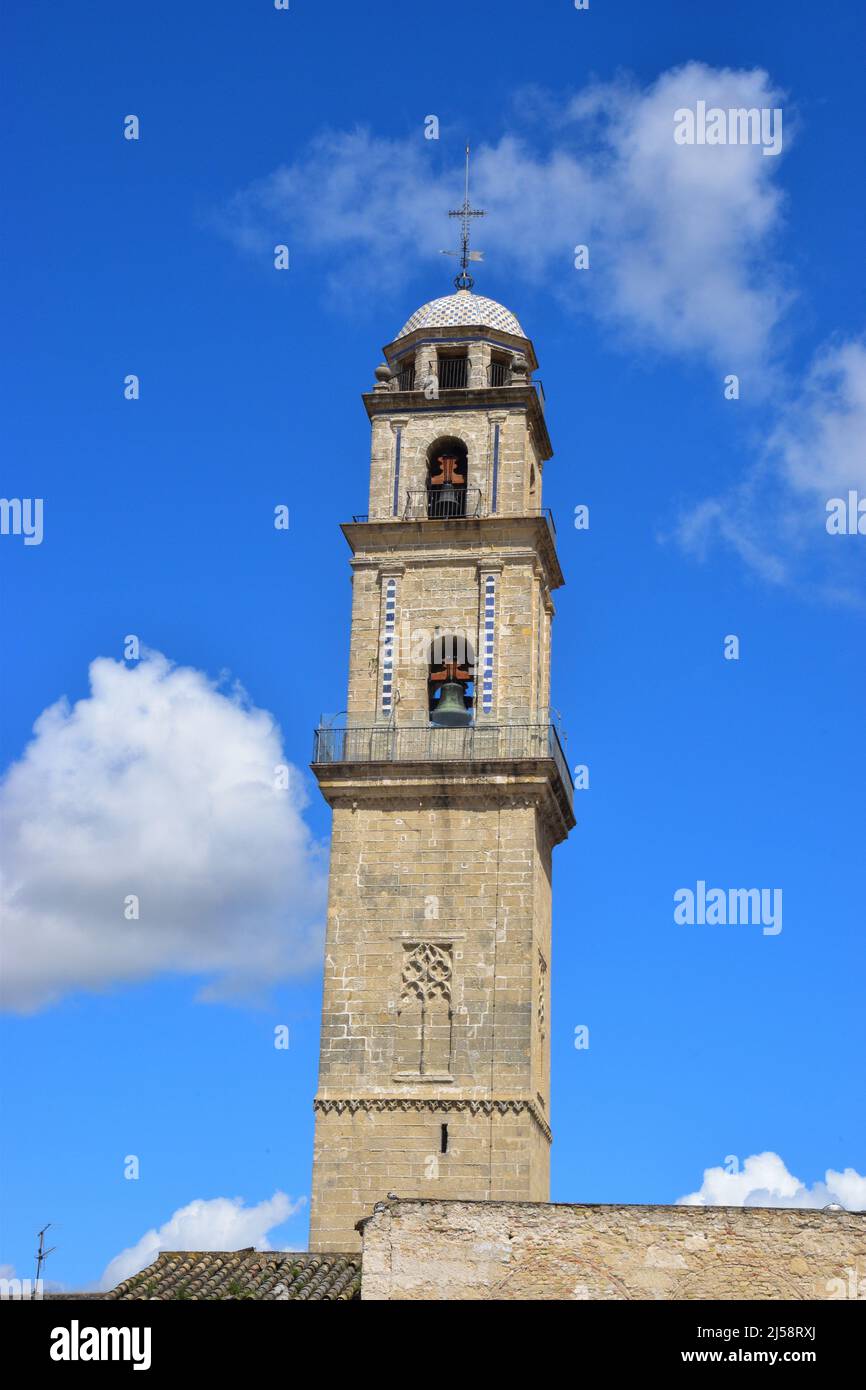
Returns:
<point x="433" y="1105"/>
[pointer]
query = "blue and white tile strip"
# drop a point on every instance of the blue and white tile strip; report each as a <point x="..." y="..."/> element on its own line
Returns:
<point x="487" y="644"/>
<point x="388" y="647"/>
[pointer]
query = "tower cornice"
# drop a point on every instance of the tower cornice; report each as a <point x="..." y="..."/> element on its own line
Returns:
<point x="469" y="333"/>
<point x="504" y="538"/>
<point x="452" y="402"/>
<point x="441" y="1105"/>
<point x="527" y="782"/>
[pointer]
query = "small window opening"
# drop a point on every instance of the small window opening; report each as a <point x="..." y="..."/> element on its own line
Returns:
<point x="443" y="1140"/>
<point x="453" y="371"/>
<point x="446" y="478"/>
<point x="499" y="369"/>
<point x="406" y="376"/>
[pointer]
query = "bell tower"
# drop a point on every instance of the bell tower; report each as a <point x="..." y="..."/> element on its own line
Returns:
<point x="448" y="785"/>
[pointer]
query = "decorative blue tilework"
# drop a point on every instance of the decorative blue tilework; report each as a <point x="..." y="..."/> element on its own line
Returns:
<point x="488" y="644"/>
<point x="388" y="647"/>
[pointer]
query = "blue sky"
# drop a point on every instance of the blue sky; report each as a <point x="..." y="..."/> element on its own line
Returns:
<point x="707" y="518"/>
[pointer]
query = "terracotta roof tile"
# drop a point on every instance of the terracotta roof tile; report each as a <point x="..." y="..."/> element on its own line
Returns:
<point x="270" y="1275"/>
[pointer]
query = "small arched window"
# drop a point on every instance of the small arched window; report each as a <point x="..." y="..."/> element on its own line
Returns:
<point x="447" y="472"/>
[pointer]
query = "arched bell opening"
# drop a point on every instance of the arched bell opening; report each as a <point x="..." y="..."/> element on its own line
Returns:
<point x="447" y="473"/>
<point x="451" y="681"/>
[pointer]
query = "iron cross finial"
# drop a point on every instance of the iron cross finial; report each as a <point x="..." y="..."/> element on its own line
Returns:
<point x="464" y="280"/>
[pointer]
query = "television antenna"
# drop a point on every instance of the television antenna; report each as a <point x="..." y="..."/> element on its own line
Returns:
<point x="41" y="1256"/>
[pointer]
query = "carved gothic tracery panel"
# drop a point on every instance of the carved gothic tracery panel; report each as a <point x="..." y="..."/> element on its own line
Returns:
<point x="426" y="972"/>
<point x="424" y="1020"/>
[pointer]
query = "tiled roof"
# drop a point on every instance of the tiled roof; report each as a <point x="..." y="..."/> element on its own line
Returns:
<point x="267" y="1275"/>
<point x="463" y="310"/>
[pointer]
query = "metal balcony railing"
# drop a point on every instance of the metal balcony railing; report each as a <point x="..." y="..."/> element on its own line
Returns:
<point x="453" y="373"/>
<point x="442" y="503"/>
<point x="419" y="508"/>
<point x="375" y="743"/>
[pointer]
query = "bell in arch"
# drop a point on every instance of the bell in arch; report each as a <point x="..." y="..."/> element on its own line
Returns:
<point x="450" y="709"/>
<point x="450" y="676"/>
<point x="447" y="482"/>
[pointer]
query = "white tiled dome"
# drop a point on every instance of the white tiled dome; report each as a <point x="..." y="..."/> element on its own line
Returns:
<point x="463" y="310"/>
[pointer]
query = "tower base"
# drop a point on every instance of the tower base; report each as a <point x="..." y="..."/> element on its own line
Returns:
<point x="481" y="1150"/>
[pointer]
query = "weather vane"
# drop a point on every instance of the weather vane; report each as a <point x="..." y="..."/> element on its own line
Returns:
<point x="464" y="280"/>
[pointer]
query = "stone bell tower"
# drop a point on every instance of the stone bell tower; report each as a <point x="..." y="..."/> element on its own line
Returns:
<point x="448" y="786"/>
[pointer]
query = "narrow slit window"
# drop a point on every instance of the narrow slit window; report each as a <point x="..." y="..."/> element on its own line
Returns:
<point x="443" y="1140"/>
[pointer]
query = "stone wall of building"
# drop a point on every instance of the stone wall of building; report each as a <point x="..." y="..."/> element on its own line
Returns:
<point x="519" y="465"/>
<point x="368" y="1148"/>
<point x="440" y="901"/>
<point x="431" y="1250"/>
<point x="439" y="588"/>
<point x="462" y="878"/>
<point x="434" y="1067"/>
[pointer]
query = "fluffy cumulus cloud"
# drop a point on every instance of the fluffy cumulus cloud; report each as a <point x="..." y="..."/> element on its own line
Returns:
<point x="223" y="1223"/>
<point x="680" y="236"/>
<point x="159" y="785"/>
<point x="764" y="1181"/>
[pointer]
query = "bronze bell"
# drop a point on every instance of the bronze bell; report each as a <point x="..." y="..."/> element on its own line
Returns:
<point x="447" y="503"/>
<point x="450" y="709"/>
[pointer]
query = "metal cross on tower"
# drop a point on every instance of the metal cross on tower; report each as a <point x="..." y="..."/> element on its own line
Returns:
<point x="464" y="280"/>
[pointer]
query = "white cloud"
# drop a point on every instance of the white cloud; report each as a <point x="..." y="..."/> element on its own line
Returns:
<point x="680" y="237"/>
<point x="684" y="261"/>
<point x="775" y="519"/>
<point x="26" y="1282"/>
<point x="160" y="784"/>
<point x="764" y="1181"/>
<point x="222" y="1223"/>
<point x="819" y="445"/>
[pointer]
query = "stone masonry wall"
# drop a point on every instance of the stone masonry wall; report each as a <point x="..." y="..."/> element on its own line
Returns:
<point x="433" y="1075"/>
<point x="518" y="457"/>
<point x="433" y="1250"/>
<point x="467" y="883"/>
<point x="443" y="589"/>
<point x="363" y="1154"/>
